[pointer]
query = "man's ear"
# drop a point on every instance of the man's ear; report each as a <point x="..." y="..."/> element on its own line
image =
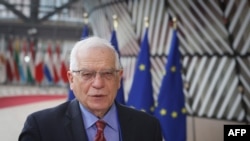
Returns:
<point x="120" y="73"/>
<point x="70" y="77"/>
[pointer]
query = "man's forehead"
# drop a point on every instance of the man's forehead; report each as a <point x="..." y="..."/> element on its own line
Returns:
<point x="103" y="54"/>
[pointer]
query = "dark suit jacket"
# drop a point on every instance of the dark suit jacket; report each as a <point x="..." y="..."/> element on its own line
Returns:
<point x="64" y="123"/>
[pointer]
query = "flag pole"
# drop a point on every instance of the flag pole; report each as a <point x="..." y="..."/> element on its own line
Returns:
<point x="115" y="22"/>
<point x="85" y="30"/>
<point x="146" y="23"/>
<point x="175" y="23"/>
<point x="85" y="18"/>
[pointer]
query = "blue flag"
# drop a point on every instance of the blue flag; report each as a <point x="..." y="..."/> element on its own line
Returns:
<point x="170" y="108"/>
<point x="47" y="68"/>
<point x="71" y="95"/>
<point x="141" y="93"/>
<point x="85" y="33"/>
<point x="47" y="73"/>
<point x="120" y="93"/>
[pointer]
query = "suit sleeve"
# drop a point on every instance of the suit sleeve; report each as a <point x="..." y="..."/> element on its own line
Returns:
<point x="30" y="131"/>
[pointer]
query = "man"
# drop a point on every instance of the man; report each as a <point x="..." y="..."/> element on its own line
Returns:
<point x="94" y="76"/>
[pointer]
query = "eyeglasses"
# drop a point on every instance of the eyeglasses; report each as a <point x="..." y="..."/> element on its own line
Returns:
<point x="88" y="75"/>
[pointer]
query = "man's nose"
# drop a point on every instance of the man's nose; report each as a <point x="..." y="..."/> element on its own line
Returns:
<point x="98" y="81"/>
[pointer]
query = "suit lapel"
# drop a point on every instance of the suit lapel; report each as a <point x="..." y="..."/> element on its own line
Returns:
<point x="74" y="124"/>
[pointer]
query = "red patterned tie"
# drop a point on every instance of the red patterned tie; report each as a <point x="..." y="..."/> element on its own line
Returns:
<point x="100" y="125"/>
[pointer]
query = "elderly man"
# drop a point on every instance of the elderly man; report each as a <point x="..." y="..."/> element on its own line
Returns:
<point x="94" y="76"/>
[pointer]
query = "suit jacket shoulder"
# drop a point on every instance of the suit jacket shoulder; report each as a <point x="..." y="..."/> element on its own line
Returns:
<point x="137" y="125"/>
<point x="63" y="122"/>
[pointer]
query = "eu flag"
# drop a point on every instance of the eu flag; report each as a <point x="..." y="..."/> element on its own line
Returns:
<point x="120" y="93"/>
<point x="141" y="93"/>
<point x="170" y="108"/>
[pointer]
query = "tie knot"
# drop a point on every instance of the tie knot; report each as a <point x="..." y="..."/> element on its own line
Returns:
<point x="100" y="124"/>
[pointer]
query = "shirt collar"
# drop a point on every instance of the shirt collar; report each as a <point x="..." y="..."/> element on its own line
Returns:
<point x="110" y="117"/>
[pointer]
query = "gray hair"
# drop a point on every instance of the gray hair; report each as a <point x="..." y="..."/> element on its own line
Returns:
<point x="92" y="41"/>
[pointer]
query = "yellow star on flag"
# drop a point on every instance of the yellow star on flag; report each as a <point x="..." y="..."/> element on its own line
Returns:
<point x="163" y="112"/>
<point x="183" y="110"/>
<point x="142" y="67"/>
<point x="173" y="69"/>
<point x="174" y="114"/>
